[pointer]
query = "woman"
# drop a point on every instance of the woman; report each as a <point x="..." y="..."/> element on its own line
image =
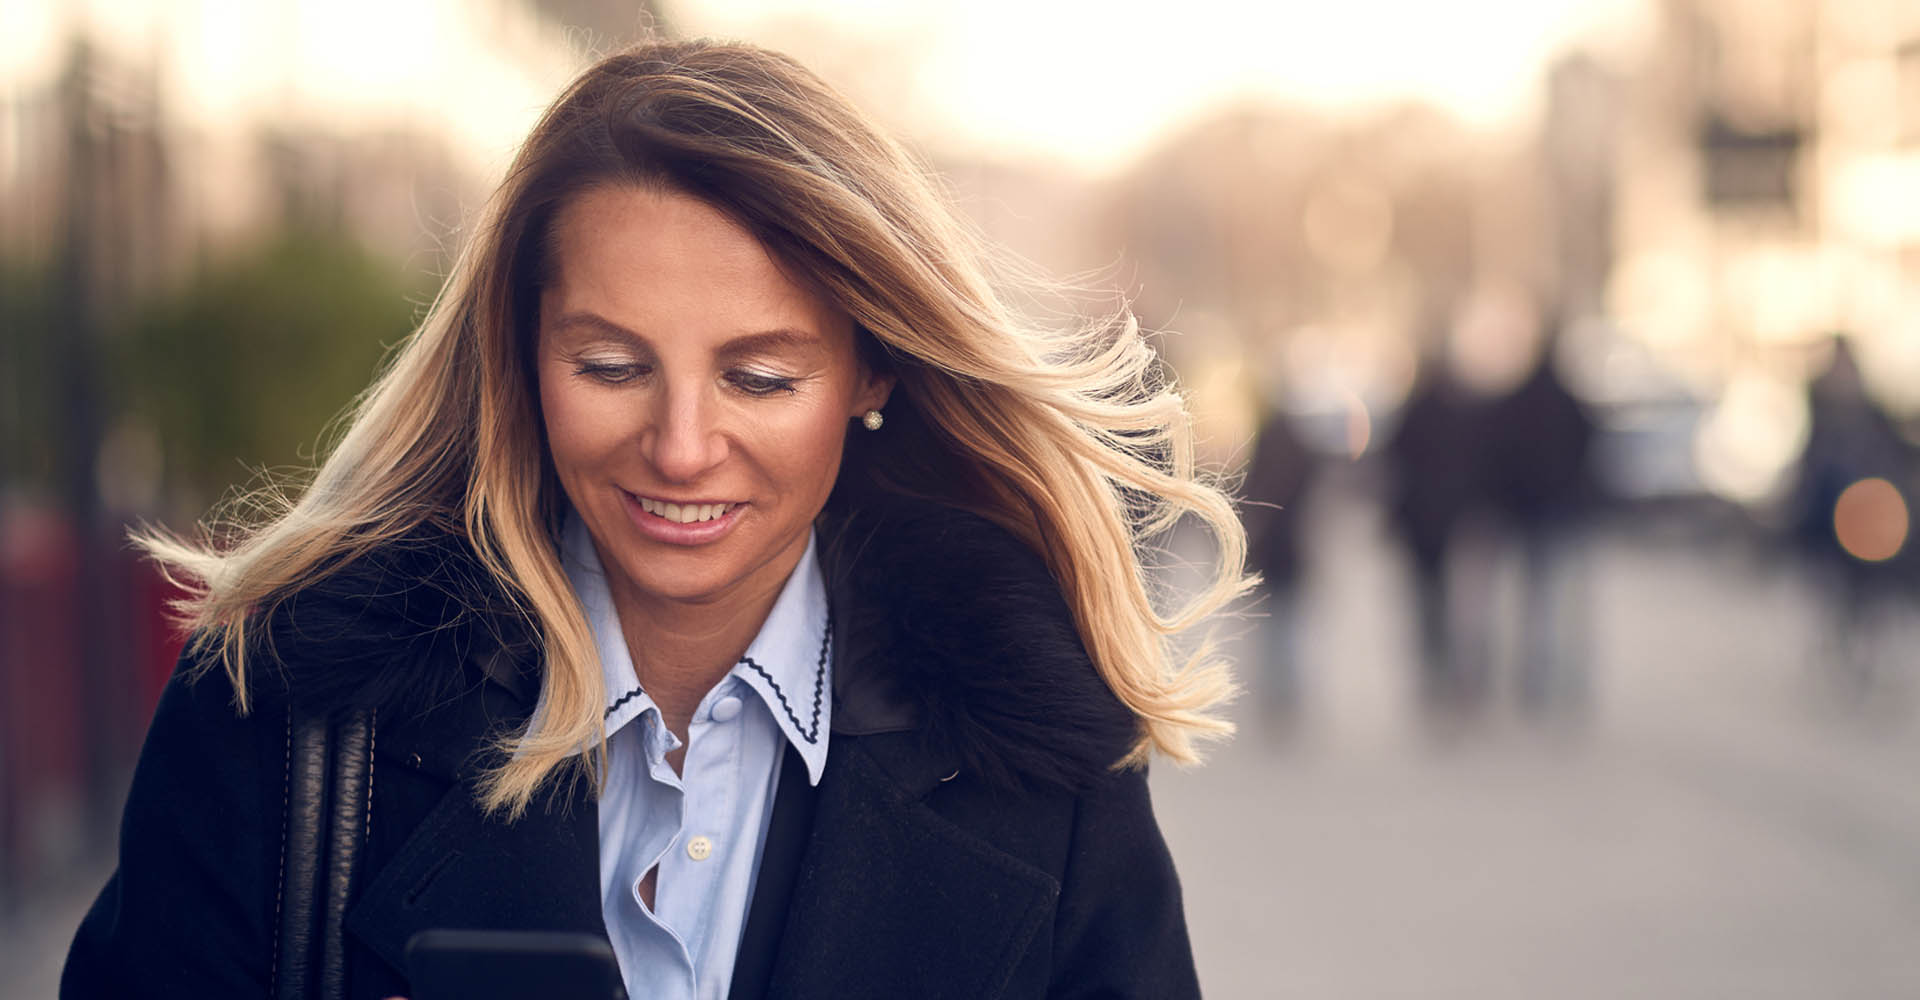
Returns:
<point x="718" y="477"/>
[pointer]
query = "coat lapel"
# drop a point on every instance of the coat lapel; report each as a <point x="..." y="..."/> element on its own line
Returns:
<point x="894" y="900"/>
<point x="789" y="830"/>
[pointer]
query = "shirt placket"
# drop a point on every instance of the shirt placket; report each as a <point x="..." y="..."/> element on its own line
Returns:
<point x="694" y="869"/>
<point x="662" y="795"/>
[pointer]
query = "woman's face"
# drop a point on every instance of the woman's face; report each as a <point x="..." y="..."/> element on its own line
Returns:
<point x="695" y="398"/>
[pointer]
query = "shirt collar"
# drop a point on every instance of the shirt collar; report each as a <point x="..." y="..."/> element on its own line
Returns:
<point x="789" y="663"/>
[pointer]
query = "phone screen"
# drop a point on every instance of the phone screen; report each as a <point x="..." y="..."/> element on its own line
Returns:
<point x="444" y="964"/>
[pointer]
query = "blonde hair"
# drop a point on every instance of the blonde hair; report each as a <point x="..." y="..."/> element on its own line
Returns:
<point x="1067" y="438"/>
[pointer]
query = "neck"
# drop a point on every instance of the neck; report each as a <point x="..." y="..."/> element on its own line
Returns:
<point x="681" y="649"/>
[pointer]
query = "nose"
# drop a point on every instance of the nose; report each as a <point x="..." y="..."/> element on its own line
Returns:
<point x="685" y="441"/>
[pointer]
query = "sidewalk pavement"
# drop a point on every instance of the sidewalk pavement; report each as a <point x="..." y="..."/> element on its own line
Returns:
<point x="1723" y="817"/>
<point x="34" y="937"/>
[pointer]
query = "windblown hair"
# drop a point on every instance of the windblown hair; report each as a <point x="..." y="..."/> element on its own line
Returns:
<point x="1070" y="439"/>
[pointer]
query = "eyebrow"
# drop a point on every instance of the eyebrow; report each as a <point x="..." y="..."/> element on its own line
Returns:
<point x="751" y="343"/>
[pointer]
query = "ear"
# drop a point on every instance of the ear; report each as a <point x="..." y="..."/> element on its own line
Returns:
<point x="873" y="393"/>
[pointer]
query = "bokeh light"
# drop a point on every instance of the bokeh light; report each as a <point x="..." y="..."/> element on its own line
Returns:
<point x="1871" y="520"/>
<point x="1751" y="437"/>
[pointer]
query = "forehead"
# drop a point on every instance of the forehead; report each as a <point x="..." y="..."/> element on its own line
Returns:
<point x="665" y="263"/>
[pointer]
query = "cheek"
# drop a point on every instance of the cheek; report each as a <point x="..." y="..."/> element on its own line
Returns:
<point x="807" y="450"/>
<point x="577" y="432"/>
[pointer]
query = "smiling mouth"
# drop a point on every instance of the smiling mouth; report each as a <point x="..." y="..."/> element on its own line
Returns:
<point x="692" y="513"/>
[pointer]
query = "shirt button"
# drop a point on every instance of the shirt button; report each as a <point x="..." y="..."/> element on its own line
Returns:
<point x="726" y="708"/>
<point x="699" y="848"/>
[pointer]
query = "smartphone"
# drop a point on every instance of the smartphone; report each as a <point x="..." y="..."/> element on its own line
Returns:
<point x="444" y="964"/>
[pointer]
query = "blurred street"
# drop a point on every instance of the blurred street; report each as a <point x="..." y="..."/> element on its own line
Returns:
<point x="1720" y="821"/>
<point x="1564" y="354"/>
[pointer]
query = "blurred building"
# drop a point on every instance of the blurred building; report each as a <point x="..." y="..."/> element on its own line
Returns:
<point x="1310" y="261"/>
<point x="1692" y="217"/>
<point x="1761" y="203"/>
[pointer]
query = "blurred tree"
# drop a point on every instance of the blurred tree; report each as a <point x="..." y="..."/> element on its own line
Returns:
<point x="27" y="404"/>
<point x="245" y="365"/>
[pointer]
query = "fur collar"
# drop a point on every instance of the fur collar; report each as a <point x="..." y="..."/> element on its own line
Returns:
<point x="945" y="627"/>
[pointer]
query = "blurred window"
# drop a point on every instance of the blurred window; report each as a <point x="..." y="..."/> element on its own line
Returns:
<point x="1748" y="168"/>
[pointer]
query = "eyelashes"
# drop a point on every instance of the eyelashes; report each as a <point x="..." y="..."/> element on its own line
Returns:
<point x="744" y="380"/>
<point x="761" y="384"/>
<point x="611" y="373"/>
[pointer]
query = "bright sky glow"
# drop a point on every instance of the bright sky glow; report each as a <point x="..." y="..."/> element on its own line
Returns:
<point x="1086" y="82"/>
<point x="1092" y="82"/>
<point x="479" y="71"/>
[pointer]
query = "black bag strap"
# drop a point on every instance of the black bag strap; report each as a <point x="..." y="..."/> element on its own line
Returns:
<point x="329" y="788"/>
<point x="352" y="811"/>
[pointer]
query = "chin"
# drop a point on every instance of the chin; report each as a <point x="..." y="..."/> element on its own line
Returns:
<point x="678" y="576"/>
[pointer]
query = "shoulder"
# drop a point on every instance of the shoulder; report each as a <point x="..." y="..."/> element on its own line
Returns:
<point x="399" y="626"/>
<point x="969" y="634"/>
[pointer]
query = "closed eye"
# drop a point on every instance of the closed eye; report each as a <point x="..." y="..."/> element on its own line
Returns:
<point x="611" y="373"/>
<point x="759" y="383"/>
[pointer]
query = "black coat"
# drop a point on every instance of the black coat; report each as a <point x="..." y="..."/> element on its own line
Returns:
<point x="968" y="838"/>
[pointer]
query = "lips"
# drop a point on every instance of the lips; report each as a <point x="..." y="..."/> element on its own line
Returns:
<point x="682" y="523"/>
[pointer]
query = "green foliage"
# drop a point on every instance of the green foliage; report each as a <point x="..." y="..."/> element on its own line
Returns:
<point x="27" y="378"/>
<point x="246" y="365"/>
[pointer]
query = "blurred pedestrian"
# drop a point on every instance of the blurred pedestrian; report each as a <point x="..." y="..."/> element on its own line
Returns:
<point x="1538" y="481"/>
<point x="1853" y="510"/>
<point x="1278" y="476"/>
<point x="1437" y="457"/>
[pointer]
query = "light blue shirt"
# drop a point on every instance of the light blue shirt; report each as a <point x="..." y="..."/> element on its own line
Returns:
<point x="704" y="828"/>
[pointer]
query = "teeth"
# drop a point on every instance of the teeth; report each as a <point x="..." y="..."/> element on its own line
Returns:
<point x="684" y="514"/>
